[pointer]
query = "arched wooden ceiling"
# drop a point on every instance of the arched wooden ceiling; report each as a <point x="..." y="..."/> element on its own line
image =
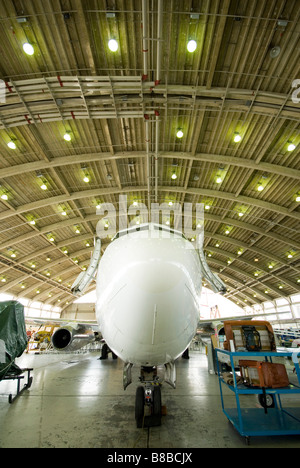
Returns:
<point x="122" y="110"/>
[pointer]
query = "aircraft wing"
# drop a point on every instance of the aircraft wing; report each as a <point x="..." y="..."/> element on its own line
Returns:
<point x="60" y="322"/>
<point x="211" y="322"/>
<point x="70" y="335"/>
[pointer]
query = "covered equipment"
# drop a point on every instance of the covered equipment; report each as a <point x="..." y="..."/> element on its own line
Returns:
<point x="13" y="337"/>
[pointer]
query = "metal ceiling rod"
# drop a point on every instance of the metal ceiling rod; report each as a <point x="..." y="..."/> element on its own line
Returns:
<point x="157" y="81"/>
<point x="145" y="38"/>
<point x="145" y="76"/>
<point x="148" y="165"/>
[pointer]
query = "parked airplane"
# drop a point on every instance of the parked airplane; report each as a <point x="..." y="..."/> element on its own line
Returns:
<point x="148" y="304"/>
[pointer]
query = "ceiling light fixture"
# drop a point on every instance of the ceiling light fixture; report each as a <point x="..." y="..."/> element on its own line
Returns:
<point x="260" y="188"/>
<point x="174" y="176"/>
<point x="113" y="45"/>
<point x="218" y="180"/>
<point x="179" y="133"/>
<point x="67" y="136"/>
<point x="237" y="137"/>
<point x="275" y="51"/>
<point x="298" y="198"/>
<point x="28" y="48"/>
<point x="11" y="145"/>
<point x="191" y="45"/>
<point x="291" y="147"/>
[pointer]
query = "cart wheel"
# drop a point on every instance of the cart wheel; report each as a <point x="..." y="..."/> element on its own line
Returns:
<point x="247" y="438"/>
<point x="10" y="398"/>
<point x="270" y="403"/>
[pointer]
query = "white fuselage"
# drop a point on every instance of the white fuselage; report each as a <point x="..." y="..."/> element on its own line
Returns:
<point x="148" y="292"/>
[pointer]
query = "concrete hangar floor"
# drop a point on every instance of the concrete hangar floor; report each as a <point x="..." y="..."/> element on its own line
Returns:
<point x="77" y="400"/>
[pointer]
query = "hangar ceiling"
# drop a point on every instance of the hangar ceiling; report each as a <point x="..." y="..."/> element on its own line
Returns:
<point x="122" y="111"/>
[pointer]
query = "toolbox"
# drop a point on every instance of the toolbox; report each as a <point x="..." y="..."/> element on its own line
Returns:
<point x="263" y="374"/>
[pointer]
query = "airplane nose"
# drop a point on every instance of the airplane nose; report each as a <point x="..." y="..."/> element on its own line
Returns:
<point x="155" y="277"/>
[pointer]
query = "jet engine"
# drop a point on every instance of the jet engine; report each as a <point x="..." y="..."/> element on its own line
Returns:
<point x="70" y="338"/>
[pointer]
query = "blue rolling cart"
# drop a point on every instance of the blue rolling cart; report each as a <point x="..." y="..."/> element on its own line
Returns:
<point x="258" y="421"/>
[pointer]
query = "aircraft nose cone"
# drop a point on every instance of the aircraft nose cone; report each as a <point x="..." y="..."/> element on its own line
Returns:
<point x="156" y="277"/>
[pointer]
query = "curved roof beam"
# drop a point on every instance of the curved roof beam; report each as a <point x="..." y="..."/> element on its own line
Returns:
<point x="92" y="157"/>
<point x="78" y="220"/>
<point x="114" y="190"/>
<point x="247" y="275"/>
<point x="39" y="97"/>
<point x="80" y="252"/>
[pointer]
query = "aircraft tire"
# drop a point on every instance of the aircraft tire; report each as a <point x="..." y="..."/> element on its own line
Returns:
<point x="104" y="352"/>
<point x="157" y="401"/>
<point x="139" y="406"/>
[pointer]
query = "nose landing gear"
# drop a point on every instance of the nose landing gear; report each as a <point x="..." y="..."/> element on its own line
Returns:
<point x="148" y="399"/>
